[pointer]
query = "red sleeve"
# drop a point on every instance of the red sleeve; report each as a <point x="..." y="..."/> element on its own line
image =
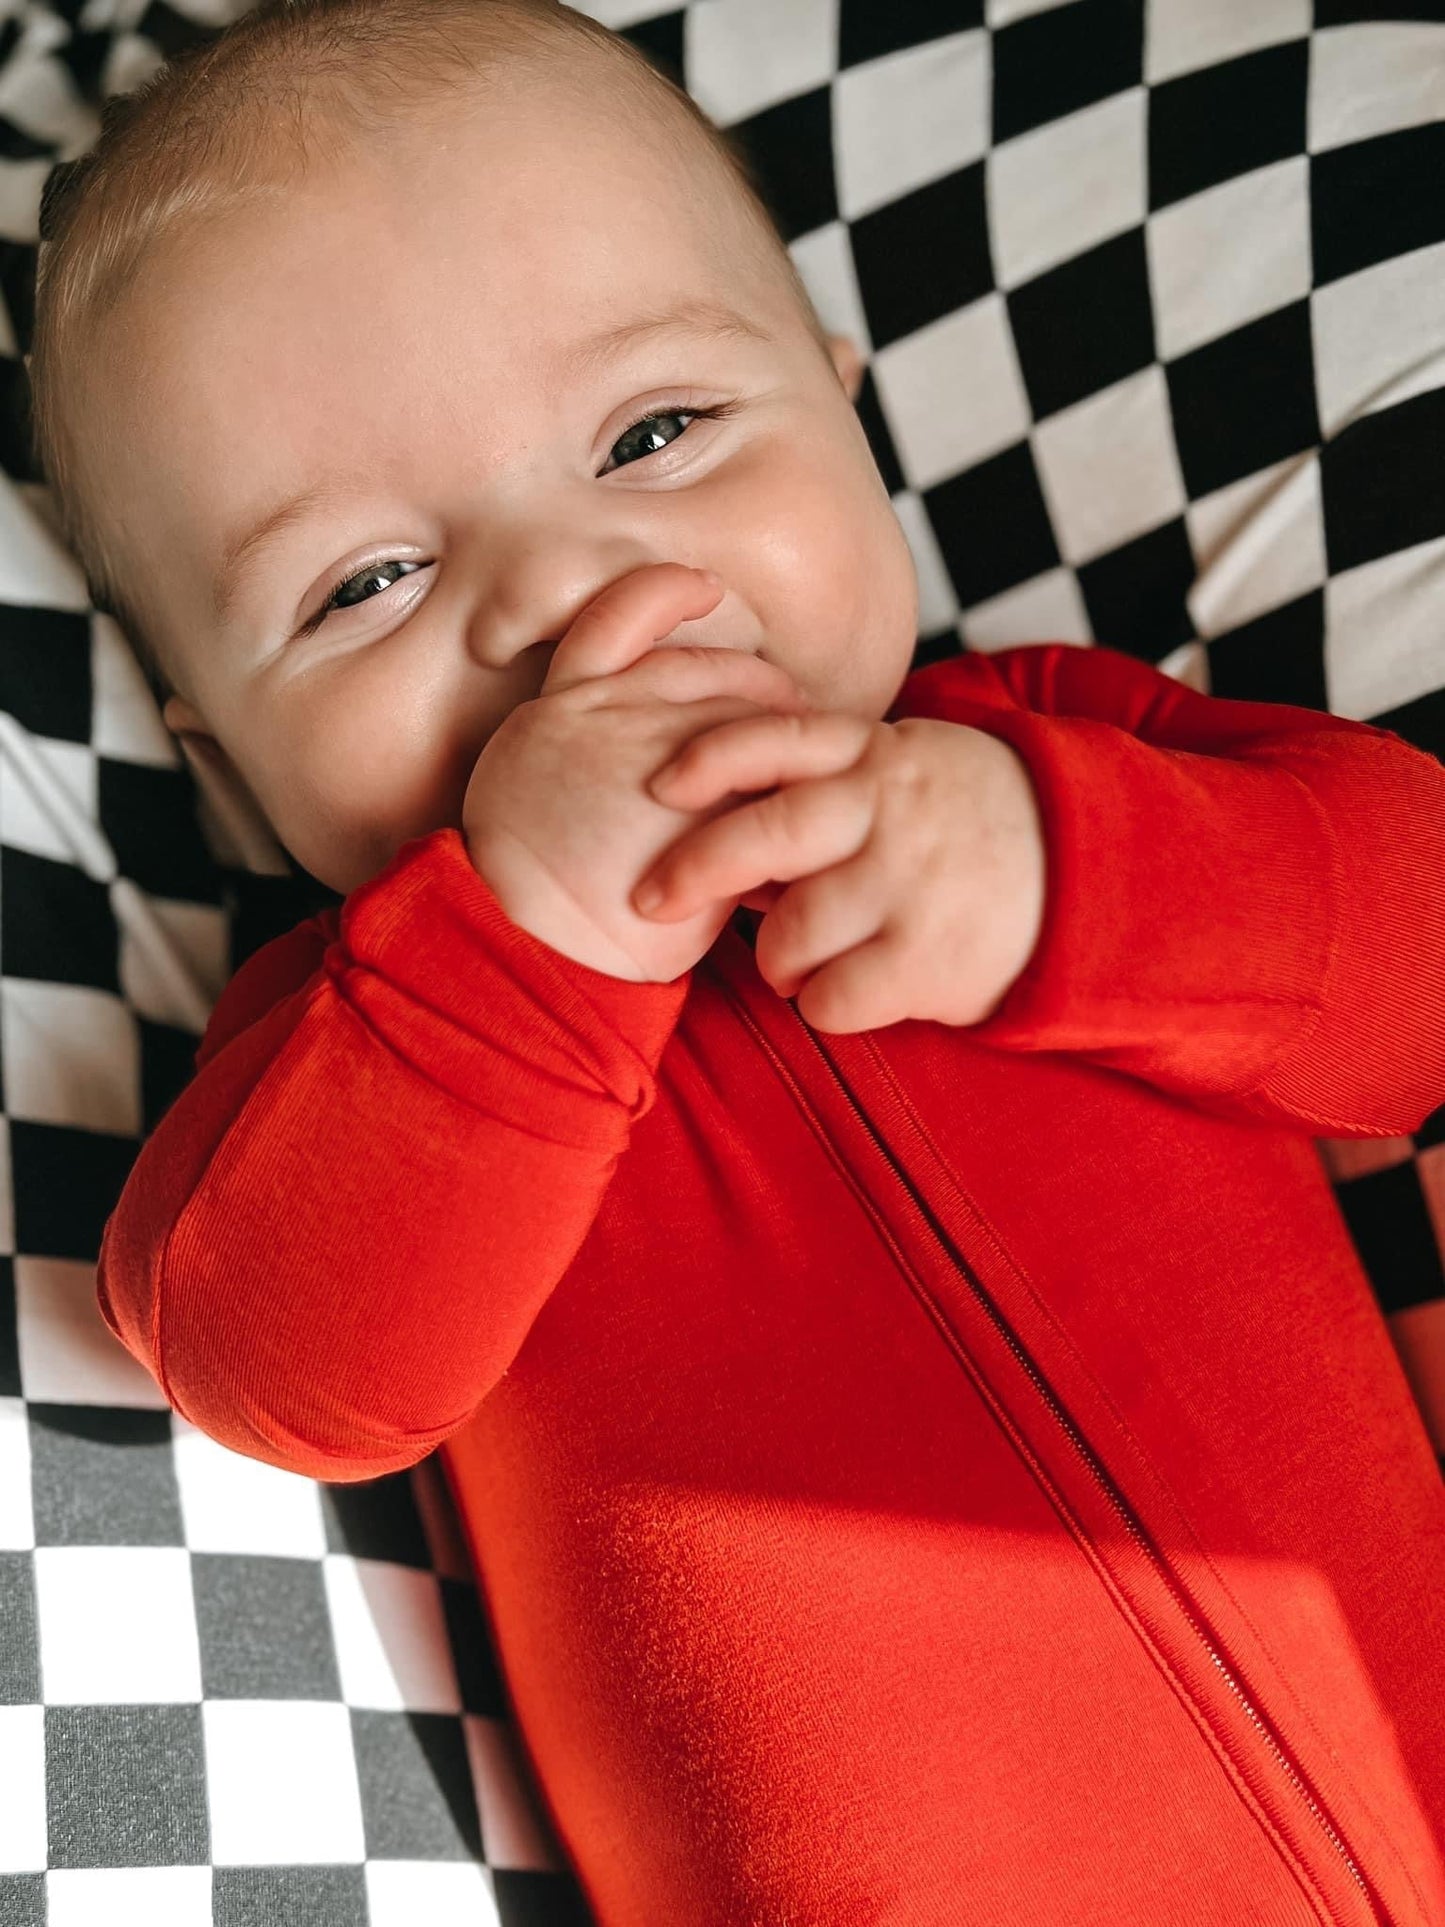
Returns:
<point x="1246" y="901"/>
<point x="403" y="1120"/>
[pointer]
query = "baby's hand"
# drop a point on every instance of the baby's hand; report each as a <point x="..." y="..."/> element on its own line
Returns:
<point x="557" y="818"/>
<point x="913" y="853"/>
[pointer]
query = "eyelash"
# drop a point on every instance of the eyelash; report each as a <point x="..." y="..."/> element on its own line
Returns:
<point x="719" y="411"/>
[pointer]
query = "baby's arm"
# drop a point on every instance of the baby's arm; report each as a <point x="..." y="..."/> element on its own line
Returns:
<point x="1245" y="902"/>
<point x="404" y="1118"/>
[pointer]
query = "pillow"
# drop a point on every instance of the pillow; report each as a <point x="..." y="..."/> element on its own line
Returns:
<point x="1155" y="358"/>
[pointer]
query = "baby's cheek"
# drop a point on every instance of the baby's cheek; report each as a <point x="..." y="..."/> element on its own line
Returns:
<point x="831" y="575"/>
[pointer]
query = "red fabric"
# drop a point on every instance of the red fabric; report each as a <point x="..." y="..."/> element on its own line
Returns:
<point x="925" y="1477"/>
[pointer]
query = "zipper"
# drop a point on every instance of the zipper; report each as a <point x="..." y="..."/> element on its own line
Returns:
<point x="1086" y="1456"/>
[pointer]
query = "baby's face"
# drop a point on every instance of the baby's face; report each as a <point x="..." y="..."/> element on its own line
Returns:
<point x="415" y="340"/>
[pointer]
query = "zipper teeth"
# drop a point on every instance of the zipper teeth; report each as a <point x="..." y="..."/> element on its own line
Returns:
<point x="1111" y="1492"/>
<point x="1141" y="1538"/>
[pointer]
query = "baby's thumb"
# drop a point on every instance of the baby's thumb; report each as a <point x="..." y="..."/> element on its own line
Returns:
<point x="630" y="617"/>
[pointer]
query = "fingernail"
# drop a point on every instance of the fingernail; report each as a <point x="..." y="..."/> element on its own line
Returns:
<point x="648" y="896"/>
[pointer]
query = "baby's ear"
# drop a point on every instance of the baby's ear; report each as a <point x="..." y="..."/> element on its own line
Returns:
<point x="849" y="363"/>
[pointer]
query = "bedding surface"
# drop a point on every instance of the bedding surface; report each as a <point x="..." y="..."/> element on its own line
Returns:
<point x="1150" y="299"/>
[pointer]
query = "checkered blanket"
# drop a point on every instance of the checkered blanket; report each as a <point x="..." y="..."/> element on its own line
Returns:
<point x="1153" y="303"/>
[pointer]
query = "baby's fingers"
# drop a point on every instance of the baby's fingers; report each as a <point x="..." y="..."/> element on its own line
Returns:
<point x="863" y="990"/>
<point x="791" y="833"/>
<point x="757" y="753"/>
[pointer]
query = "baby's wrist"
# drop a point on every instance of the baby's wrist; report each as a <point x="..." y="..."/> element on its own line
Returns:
<point x="537" y="904"/>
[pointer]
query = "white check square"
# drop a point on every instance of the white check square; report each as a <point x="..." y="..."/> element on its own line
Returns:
<point x="68" y="1354"/>
<point x="1064" y="187"/>
<point x="1374" y="77"/>
<point x="33" y="820"/>
<point x="23" y="1847"/>
<point x="230" y="1503"/>
<point x="824" y="258"/>
<point x="1224" y="257"/>
<point x="1379" y="336"/>
<point x="1382" y="631"/>
<point x="17" y="1515"/>
<point x="1049" y="608"/>
<point x="953" y="392"/>
<point x="392" y="1645"/>
<point x="130" y="1897"/>
<point x="72" y="1056"/>
<point x="720" y="54"/>
<point x="1258" y="543"/>
<point x="1108" y="466"/>
<point x="281" y="1778"/>
<point x="909" y="118"/>
<point x="1181" y="35"/>
<point x="937" y="600"/>
<point x="117" y="1625"/>
<point x="401" y="1893"/>
<point x="513" y="1833"/>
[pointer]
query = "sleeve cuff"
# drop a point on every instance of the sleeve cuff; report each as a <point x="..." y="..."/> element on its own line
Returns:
<point x="1191" y="905"/>
<point x="429" y="926"/>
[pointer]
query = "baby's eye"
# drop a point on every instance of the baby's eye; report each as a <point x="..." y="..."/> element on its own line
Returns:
<point x="384" y="573"/>
<point x="648" y="439"/>
<point x="645" y="439"/>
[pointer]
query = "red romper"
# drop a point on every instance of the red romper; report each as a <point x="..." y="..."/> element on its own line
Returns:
<point x="931" y="1476"/>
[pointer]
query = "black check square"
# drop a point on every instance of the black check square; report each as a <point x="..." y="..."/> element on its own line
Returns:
<point x="22" y="1899"/>
<point x="125" y="1786"/>
<point x="1083" y="326"/>
<point x="9" y="1334"/>
<point x="264" y="1628"/>
<point x="992" y="526"/>
<point x="1344" y="13"/>
<point x="417" y="1801"/>
<point x="478" y="1679"/>
<point x="58" y="925"/>
<point x="103" y="1476"/>
<point x="1245" y="401"/>
<point x="1382" y="482"/>
<point x="538" y="1899"/>
<point x="167" y="1065"/>
<point x="1376" y="199"/>
<point x="288" y="1897"/>
<point x="880" y="437"/>
<point x="790" y="149"/>
<point x="1135" y="595"/>
<point x="906" y="231"/>
<point x="1390" y="1224"/>
<point x="66" y="1182"/>
<point x="662" y="38"/>
<point x="1051" y="64"/>
<point x="1279" y="657"/>
<point x="1211" y="125"/>
<point x="19" y="1639"/>
<point x="376" y="1519"/>
<point x="1421" y="722"/>
<point x="45" y="672"/>
<point x="156" y="838"/>
<point x="867" y="31"/>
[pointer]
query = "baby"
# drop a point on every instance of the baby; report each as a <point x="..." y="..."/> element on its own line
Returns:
<point x="823" y="1151"/>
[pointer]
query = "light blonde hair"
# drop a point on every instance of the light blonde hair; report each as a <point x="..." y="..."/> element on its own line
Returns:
<point x="287" y="80"/>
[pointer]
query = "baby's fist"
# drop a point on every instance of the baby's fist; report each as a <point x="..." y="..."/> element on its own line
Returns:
<point x="912" y="855"/>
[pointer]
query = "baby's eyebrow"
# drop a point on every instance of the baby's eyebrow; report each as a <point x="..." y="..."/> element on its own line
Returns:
<point x="708" y="320"/>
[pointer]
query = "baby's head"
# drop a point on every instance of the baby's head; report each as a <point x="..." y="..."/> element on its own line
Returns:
<point x="491" y="295"/>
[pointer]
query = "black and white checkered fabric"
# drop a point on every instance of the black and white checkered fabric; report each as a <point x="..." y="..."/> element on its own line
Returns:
<point x="1153" y="303"/>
